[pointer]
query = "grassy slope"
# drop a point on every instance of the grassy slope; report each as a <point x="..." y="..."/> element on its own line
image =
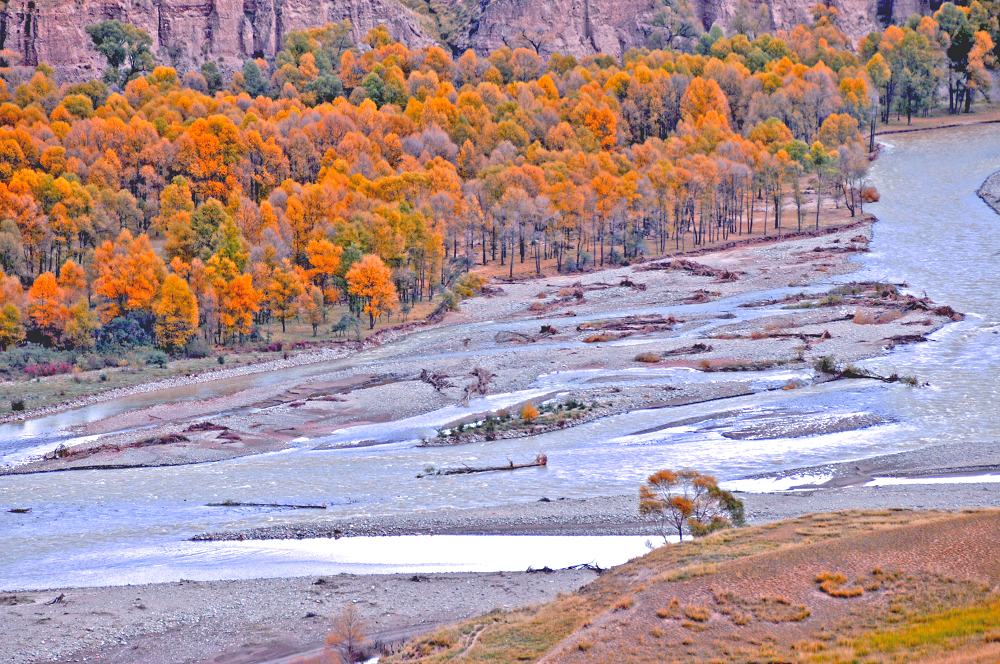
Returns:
<point x="916" y="585"/>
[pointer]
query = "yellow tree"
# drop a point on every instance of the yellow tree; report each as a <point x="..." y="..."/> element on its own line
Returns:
<point x="281" y="290"/>
<point x="370" y="281"/>
<point x="80" y="327"/>
<point x="176" y="313"/>
<point x="11" y="327"/>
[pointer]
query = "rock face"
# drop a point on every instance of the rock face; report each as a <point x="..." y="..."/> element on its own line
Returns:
<point x="584" y="27"/>
<point x="187" y="33"/>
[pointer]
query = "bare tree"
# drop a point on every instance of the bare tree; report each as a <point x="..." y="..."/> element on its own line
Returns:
<point x="346" y="639"/>
<point x="481" y="384"/>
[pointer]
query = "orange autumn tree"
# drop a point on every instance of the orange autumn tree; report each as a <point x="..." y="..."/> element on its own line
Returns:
<point x="370" y="281"/>
<point x="689" y="500"/>
<point x="324" y="257"/>
<point x="47" y="307"/>
<point x="176" y="313"/>
<point x="239" y="302"/>
<point x="129" y="274"/>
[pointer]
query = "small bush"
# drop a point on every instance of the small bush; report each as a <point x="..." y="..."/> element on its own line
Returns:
<point x="529" y="413"/>
<point x="825" y="364"/>
<point x="17" y="405"/>
<point x="624" y="603"/>
<point x="156" y="358"/>
<point x="198" y="348"/>
<point x="48" y="369"/>
<point x="221" y="359"/>
<point x="834" y="584"/>
<point x="599" y="338"/>
<point x="862" y="317"/>
<point x="697" y="613"/>
<point x="648" y="358"/>
<point x="870" y="194"/>
<point x="451" y="300"/>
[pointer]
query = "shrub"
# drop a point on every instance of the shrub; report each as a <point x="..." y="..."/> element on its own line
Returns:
<point x="862" y="317"/>
<point x="47" y="369"/>
<point x="529" y="413"/>
<point x="469" y="284"/>
<point x="624" y="603"/>
<point x="125" y="332"/>
<point x="198" y="348"/>
<point x="221" y="359"/>
<point x="649" y="358"/>
<point x="697" y="613"/>
<point x="17" y="405"/>
<point x="156" y="358"/>
<point x="826" y="365"/>
<point x="834" y="584"/>
<point x="870" y="194"/>
<point x="599" y="338"/>
<point x="450" y="300"/>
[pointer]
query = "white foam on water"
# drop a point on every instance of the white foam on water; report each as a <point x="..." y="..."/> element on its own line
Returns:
<point x="954" y="479"/>
<point x="773" y="484"/>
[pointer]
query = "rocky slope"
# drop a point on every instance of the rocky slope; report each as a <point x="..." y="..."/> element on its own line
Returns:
<point x="189" y="32"/>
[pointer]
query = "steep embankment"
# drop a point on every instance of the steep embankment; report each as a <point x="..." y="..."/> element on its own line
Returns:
<point x="857" y="586"/>
<point x="187" y="33"/>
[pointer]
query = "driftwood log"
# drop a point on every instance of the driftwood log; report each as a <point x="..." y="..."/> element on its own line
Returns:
<point x="540" y="461"/>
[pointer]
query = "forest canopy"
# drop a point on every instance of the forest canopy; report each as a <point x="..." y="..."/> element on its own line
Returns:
<point x="159" y="207"/>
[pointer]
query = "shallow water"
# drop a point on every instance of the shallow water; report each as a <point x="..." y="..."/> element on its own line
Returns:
<point x="210" y="561"/>
<point x="934" y="234"/>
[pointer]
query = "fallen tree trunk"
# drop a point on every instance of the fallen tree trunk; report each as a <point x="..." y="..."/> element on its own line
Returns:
<point x="233" y="503"/>
<point x="540" y="461"/>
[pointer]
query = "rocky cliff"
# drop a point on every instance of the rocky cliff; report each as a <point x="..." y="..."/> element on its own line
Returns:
<point x="188" y="32"/>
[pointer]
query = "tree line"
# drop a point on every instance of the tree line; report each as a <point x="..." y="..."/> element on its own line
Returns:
<point x="196" y="205"/>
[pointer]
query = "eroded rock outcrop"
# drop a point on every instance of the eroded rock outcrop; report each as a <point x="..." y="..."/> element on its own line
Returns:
<point x="187" y="33"/>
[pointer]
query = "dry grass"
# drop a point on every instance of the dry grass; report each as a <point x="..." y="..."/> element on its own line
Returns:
<point x="599" y="338"/>
<point x="762" y="583"/>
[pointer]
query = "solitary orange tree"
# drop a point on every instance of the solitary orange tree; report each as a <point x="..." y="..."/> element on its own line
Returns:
<point x="689" y="499"/>
<point x="371" y="281"/>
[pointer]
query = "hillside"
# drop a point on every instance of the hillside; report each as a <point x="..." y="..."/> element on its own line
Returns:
<point x="860" y="586"/>
<point x="189" y="33"/>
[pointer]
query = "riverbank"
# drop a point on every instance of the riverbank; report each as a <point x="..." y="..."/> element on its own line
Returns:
<point x="616" y="320"/>
<point x="984" y="114"/>
<point x="251" y="621"/>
